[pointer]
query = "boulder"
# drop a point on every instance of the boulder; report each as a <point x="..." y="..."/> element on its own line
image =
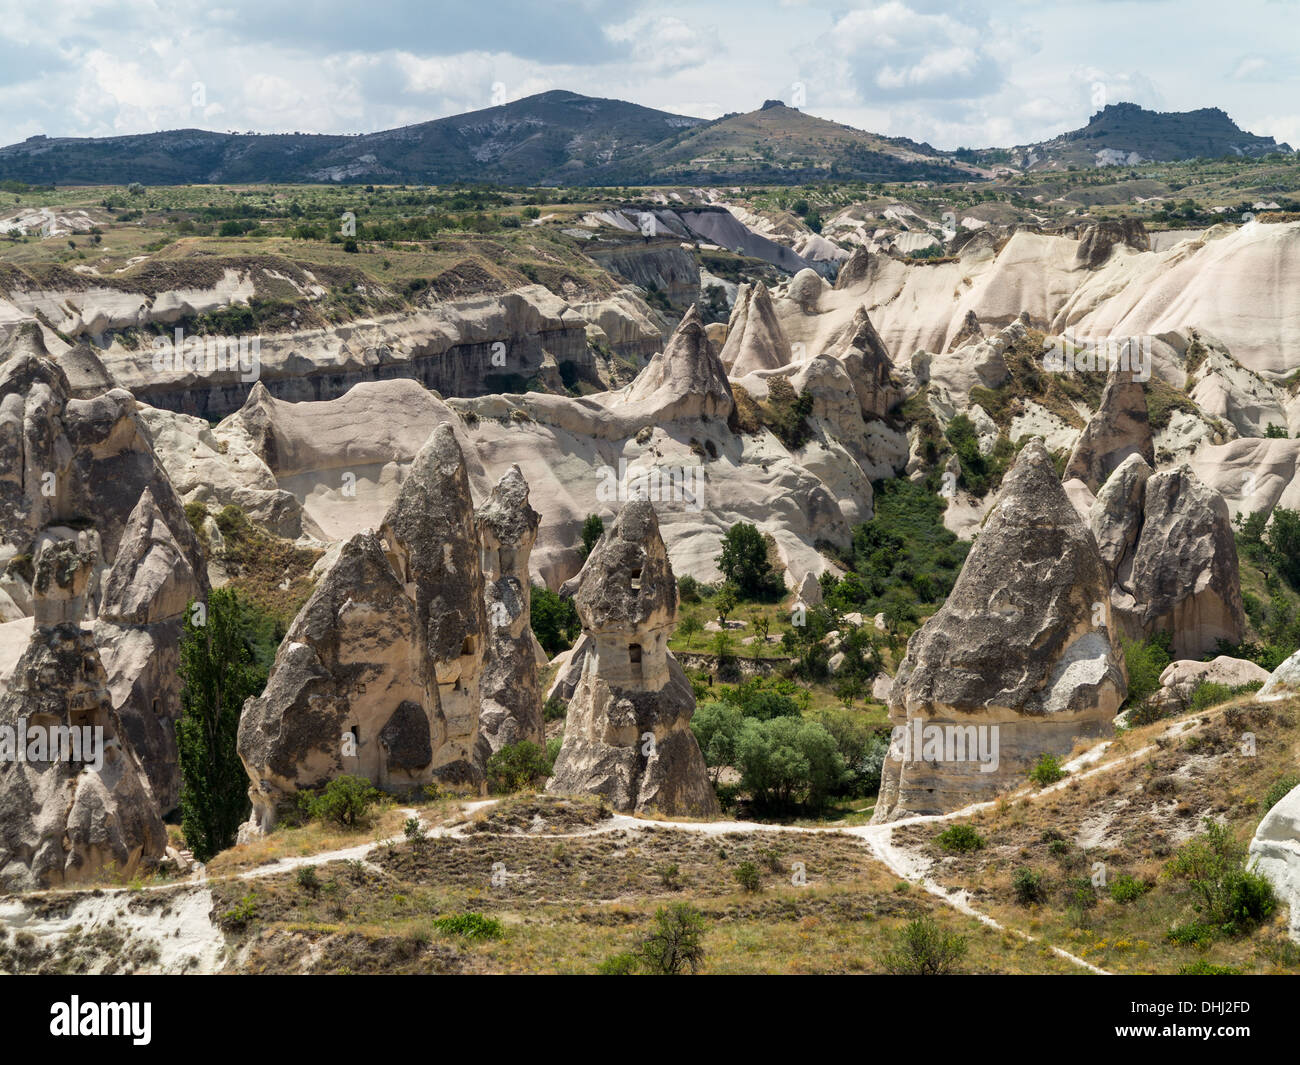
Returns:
<point x="1120" y="428"/>
<point x="1283" y="682"/>
<point x="432" y="539"/>
<point x="1180" y="679"/>
<point x="627" y="735"/>
<point x="351" y="691"/>
<point x="511" y="708"/>
<point x="84" y="809"/>
<point x="1022" y="659"/>
<point x="1275" y="853"/>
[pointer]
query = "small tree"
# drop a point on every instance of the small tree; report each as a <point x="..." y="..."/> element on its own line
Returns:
<point x="725" y="602"/>
<point x="676" y="945"/>
<point x="689" y="627"/>
<point x="592" y="530"/>
<point x="217" y="674"/>
<point x="744" y="559"/>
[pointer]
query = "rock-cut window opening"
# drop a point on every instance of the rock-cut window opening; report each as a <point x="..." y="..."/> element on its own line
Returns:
<point x="636" y="581"/>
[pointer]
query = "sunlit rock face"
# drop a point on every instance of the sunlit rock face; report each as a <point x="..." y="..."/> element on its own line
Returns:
<point x="1024" y="650"/>
<point x="431" y="536"/>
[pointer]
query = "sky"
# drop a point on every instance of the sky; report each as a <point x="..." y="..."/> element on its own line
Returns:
<point x="973" y="74"/>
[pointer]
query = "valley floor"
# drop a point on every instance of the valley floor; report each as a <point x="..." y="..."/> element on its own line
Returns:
<point x="570" y="884"/>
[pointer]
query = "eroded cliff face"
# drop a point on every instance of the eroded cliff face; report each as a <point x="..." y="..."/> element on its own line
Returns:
<point x="1022" y="659"/>
<point x="351" y="691"/>
<point x="511" y="707"/>
<point x="431" y="536"/>
<point x="80" y="804"/>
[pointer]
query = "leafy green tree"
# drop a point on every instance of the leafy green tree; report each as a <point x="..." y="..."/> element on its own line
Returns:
<point x="593" y="528"/>
<point x="218" y="672"/>
<point x="1283" y="536"/>
<point x="689" y="627"/>
<point x="725" y="602"/>
<point x="787" y="761"/>
<point x="516" y="766"/>
<point x="676" y="943"/>
<point x="744" y="559"/>
<point x="716" y="727"/>
<point x="555" y="620"/>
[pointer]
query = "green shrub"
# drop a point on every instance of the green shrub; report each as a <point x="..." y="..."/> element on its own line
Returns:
<point x="960" y="839"/>
<point x="1145" y="660"/>
<point x="1230" y="897"/>
<point x="344" y="800"/>
<point x="1201" y="967"/>
<point x="1125" y="888"/>
<point x="1028" y="887"/>
<point x="1279" y="790"/>
<point x="413" y="830"/>
<point x="675" y="944"/>
<point x="469" y="926"/>
<point x="922" y="948"/>
<point x="1047" y="770"/>
<point x="307" y="878"/>
<point x="554" y="709"/>
<point x="517" y="766"/>
<point x="624" y="964"/>
<point x="747" y="877"/>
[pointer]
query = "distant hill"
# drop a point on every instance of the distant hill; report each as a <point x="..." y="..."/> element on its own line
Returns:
<point x="778" y="144"/>
<point x="563" y="138"/>
<point x="554" y="138"/>
<point x="1126" y="134"/>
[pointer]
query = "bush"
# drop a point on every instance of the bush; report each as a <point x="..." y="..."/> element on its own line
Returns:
<point x="1145" y="660"/>
<point x="960" y="839"/>
<point x="1029" y="887"/>
<point x="344" y="800"/>
<point x="1047" y="770"/>
<point x="1125" y="888"/>
<point x="925" y="949"/>
<point x="413" y="830"/>
<point x="307" y="878"/>
<point x="1279" y="790"/>
<point x="1230" y="897"/>
<point x="624" y="964"/>
<point x="517" y="766"/>
<point x="747" y="876"/>
<point x="676" y="942"/>
<point x="786" y="414"/>
<point x="1201" y="967"/>
<point x="554" y="709"/>
<point x="469" y="926"/>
